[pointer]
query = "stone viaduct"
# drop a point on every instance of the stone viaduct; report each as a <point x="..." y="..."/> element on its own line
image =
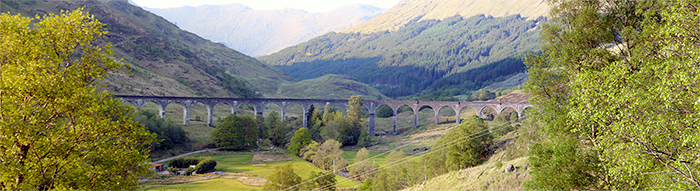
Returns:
<point x="260" y="103"/>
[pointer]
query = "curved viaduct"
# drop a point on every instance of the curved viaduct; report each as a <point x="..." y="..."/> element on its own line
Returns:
<point x="260" y="103"/>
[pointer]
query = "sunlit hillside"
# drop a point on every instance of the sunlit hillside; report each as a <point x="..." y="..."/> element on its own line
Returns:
<point x="408" y="11"/>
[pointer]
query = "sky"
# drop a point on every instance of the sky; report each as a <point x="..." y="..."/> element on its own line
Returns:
<point x="307" y="5"/>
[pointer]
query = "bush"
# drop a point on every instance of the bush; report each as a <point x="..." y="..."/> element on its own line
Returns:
<point x="172" y="170"/>
<point x="189" y="171"/>
<point x="205" y="166"/>
<point x="184" y="162"/>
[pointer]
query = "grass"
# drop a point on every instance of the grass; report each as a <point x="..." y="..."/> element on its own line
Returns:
<point x="242" y="163"/>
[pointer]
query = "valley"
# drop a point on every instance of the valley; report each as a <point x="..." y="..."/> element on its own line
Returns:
<point x="425" y="95"/>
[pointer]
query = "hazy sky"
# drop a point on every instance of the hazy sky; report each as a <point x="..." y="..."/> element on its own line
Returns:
<point x="308" y="5"/>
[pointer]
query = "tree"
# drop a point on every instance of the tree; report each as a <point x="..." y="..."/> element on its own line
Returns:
<point x="169" y="134"/>
<point x="315" y="128"/>
<point x="277" y="130"/>
<point x="615" y="89"/>
<point x="461" y="147"/>
<point x="232" y="133"/>
<point x="362" y="167"/>
<point x="309" y="152"/>
<point x="57" y="130"/>
<point x="322" y="181"/>
<point x="284" y="178"/>
<point x="300" y="140"/>
<point x="327" y="156"/>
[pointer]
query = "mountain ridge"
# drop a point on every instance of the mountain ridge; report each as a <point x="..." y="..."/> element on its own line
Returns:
<point x="262" y="32"/>
<point x="163" y="59"/>
<point x="407" y="11"/>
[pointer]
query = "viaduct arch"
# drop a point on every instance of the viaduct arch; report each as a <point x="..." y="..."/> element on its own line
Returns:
<point x="260" y="103"/>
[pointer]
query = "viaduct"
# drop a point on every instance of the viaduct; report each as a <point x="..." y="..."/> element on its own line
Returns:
<point x="260" y="103"/>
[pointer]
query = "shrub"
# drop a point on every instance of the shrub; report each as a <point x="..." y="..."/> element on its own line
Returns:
<point x="205" y="165"/>
<point x="184" y="162"/>
<point x="172" y="170"/>
<point x="189" y="171"/>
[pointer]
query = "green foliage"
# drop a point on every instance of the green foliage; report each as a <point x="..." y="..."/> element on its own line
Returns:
<point x="384" y="111"/>
<point x="172" y="170"/>
<point x="362" y="168"/>
<point x="235" y="133"/>
<point x="283" y="179"/>
<point x="300" y="140"/>
<point x="327" y="156"/>
<point x="58" y="131"/>
<point x="409" y="60"/>
<point x="364" y="140"/>
<point x="457" y="155"/>
<point x="562" y="165"/>
<point x="189" y="171"/>
<point x="277" y="130"/>
<point x="184" y="162"/>
<point x="615" y="94"/>
<point x="169" y="134"/>
<point x="322" y="181"/>
<point x="483" y="95"/>
<point x="205" y="165"/>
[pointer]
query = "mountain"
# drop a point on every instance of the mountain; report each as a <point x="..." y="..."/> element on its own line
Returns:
<point x="457" y="54"/>
<point x="408" y="11"/>
<point x="165" y="60"/>
<point x="330" y="86"/>
<point x="262" y="32"/>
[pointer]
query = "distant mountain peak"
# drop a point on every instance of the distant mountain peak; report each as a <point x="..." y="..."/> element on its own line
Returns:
<point x="408" y="11"/>
<point x="262" y="32"/>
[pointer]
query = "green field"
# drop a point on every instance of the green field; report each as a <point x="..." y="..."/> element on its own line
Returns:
<point x="242" y="163"/>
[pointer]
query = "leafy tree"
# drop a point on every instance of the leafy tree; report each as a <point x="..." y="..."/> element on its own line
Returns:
<point x="309" y="152"/>
<point x="169" y="134"/>
<point x="322" y="181"/>
<point x="263" y="129"/>
<point x="615" y="94"/>
<point x="460" y="147"/>
<point x="315" y="128"/>
<point x="365" y="140"/>
<point x="362" y="167"/>
<point x="283" y="179"/>
<point x="232" y="134"/>
<point x="327" y="156"/>
<point x="58" y="130"/>
<point x="300" y="140"/>
<point x="277" y="130"/>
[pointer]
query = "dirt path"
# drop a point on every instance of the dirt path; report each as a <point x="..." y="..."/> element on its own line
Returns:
<point x="178" y="156"/>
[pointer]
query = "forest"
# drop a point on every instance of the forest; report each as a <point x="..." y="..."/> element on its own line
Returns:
<point x="418" y="56"/>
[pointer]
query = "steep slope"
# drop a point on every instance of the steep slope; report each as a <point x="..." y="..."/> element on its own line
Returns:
<point x="262" y="32"/>
<point x="164" y="59"/>
<point x="413" y="58"/>
<point x="408" y="11"/>
<point x="330" y="87"/>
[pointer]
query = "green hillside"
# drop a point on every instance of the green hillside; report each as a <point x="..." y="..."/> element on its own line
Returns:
<point x="409" y="60"/>
<point x="330" y="87"/>
<point x="164" y="59"/>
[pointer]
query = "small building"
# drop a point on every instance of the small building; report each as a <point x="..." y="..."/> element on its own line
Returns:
<point x="157" y="167"/>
